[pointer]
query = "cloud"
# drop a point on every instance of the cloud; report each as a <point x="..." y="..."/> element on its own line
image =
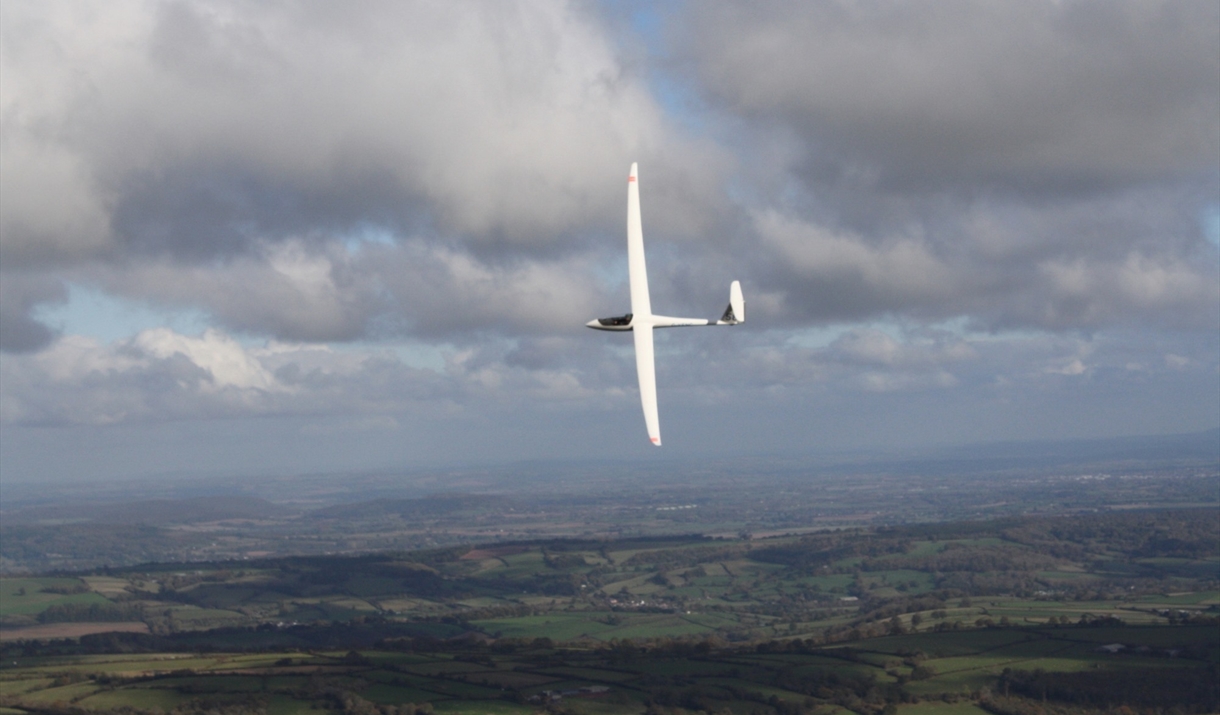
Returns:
<point x="1034" y="96"/>
<point x="219" y="356"/>
<point x="873" y="347"/>
<point x="193" y="126"/>
<point x="1031" y="166"/>
<point x="312" y="291"/>
<point x="19" y="295"/>
<point x="998" y="275"/>
<point x="969" y="205"/>
<point x="167" y="140"/>
<point x="160" y="374"/>
<point x="292" y="289"/>
<point x="223" y="157"/>
<point x="857" y="279"/>
<point x="440" y="291"/>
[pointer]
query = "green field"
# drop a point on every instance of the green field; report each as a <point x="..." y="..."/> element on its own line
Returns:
<point x="958" y="670"/>
<point x="31" y="596"/>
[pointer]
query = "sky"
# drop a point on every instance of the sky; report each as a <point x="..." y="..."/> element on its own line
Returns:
<point x="285" y="237"/>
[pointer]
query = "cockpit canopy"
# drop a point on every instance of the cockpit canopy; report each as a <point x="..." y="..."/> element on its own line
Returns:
<point x="620" y="320"/>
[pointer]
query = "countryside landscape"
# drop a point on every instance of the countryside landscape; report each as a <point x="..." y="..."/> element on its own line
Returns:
<point x="954" y="585"/>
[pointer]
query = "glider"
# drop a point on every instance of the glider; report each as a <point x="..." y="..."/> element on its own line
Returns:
<point x="641" y="320"/>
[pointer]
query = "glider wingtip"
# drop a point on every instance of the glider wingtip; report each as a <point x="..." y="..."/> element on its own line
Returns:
<point x="656" y="441"/>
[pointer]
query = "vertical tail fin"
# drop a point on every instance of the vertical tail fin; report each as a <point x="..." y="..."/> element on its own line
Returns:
<point x="736" y="312"/>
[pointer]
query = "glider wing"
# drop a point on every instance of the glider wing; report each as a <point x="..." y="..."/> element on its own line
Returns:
<point x="637" y="271"/>
<point x="645" y="367"/>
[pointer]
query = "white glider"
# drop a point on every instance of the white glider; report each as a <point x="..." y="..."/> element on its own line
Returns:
<point x="641" y="320"/>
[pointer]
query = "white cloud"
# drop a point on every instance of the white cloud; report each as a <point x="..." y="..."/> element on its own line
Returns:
<point x="222" y="357"/>
<point x="163" y="375"/>
<point x="1177" y="362"/>
<point x="1072" y="367"/>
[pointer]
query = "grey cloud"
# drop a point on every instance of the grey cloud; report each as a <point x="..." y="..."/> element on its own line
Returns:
<point x="553" y="352"/>
<point x="1020" y="165"/>
<point x="1033" y="96"/>
<point x="199" y="121"/>
<point x="197" y="133"/>
<point x="20" y="333"/>
<point x="873" y="347"/>
<point x="199" y="214"/>
<point x="304" y="289"/>
<point x="301" y="289"/>
<point x="439" y="291"/>
<point x="1124" y="261"/>
<point x="19" y="294"/>
<point x="861" y="364"/>
<point x="294" y="289"/>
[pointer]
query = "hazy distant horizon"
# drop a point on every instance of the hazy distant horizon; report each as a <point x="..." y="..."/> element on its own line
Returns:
<point x="1147" y="450"/>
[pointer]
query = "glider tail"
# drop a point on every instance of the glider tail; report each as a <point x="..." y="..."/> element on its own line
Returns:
<point x="736" y="312"/>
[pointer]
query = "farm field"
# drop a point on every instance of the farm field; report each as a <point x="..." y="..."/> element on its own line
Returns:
<point x="1094" y="610"/>
<point x="934" y="672"/>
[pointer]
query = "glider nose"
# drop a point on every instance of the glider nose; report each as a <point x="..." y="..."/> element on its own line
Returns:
<point x="593" y="324"/>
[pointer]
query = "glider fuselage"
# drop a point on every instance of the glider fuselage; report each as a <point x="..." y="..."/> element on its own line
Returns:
<point x="630" y="321"/>
<point x="622" y="322"/>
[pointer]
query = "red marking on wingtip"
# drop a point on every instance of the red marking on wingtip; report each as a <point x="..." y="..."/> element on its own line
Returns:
<point x="655" y="440"/>
<point x="630" y="179"/>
